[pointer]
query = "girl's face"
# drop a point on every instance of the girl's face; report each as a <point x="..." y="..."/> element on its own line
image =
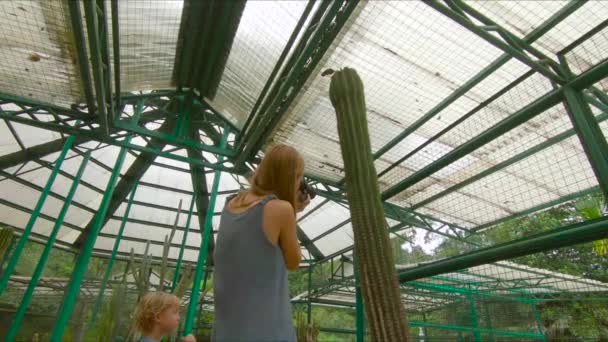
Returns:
<point x="169" y="319"/>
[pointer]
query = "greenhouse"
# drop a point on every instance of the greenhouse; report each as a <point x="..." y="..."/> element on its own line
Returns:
<point x="127" y="125"/>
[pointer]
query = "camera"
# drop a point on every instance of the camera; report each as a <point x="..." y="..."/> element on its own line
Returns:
<point x="306" y="189"/>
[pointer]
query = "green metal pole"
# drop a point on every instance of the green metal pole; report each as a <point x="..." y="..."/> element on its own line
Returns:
<point x="29" y="292"/>
<point x="590" y="135"/>
<point x="108" y="272"/>
<point x="539" y="322"/>
<point x="202" y="254"/>
<point x="87" y="250"/>
<point x="474" y="319"/>
<point x="30" y="224"/>
<point x="200" y="307"/>
<point x="359" y="309"/>
<point x="565" y="236"/>
<point x="178" y="266"/>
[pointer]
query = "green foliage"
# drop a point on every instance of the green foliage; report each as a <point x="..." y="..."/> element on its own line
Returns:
<point x="591" y="208"/>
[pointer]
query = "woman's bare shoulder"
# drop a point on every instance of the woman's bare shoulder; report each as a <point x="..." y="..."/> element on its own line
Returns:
<point x="277" y="207"/>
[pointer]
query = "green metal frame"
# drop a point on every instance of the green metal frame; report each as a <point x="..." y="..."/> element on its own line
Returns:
<point x="30" y="224"/>
<point x="108" y="271"/>
<point x="202" y="255"/>
<point x="556" y="238"/>
<point x="534" y="35"/>
<point x="86" y="252"/>
<point x="44" y="257"/>
<point x="108" y="120"/>
<point x="278" y="103"/>
<point x="96" y="19"/>
<point x="526" y="113"/>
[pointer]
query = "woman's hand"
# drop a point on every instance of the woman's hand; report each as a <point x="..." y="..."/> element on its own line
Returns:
<point x="302" y="202"/>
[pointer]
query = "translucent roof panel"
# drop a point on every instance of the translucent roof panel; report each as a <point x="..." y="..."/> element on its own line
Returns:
<point x="38" y="52"/>
<point x="149" y="32"/>
<point x="324" y="218"/>
<point x="521" y="18"/>
<point x="408" y="67"/>
<point x="262" y="35"/>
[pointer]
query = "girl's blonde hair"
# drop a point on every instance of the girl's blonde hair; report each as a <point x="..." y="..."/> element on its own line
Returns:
<point x="277" y="174"/>
<point x="150" y="306"/>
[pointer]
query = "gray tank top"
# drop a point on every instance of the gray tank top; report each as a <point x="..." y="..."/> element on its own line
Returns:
<point x="250" y="281"/>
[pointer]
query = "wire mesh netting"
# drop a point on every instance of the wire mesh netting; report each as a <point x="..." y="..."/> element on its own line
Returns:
<point x="524" y="180"/>
<point x="263" y="32"/>
<point x="149" y="32"/>
<point x="38" y="52"/>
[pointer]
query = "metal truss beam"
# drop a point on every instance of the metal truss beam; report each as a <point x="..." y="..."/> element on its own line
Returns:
<point x="535" y="34"/>
<point x="405" y="216"/>
<point x="201" y="192"/>
<point x="457" y="122"/>
<point x="526" y="113"/>
<point x="535" y="149"/>
<point x="125" y="185"/>
<point x="280" y="98"/>
<point x="83" y="61"/>
<point x="465" y="15"/>
<point x="587" y="129"/>
<point x="36" y="152"/>
<point x="97" y="30"/>
<point x="556" y="238"/>
<point x="117" y="139"/>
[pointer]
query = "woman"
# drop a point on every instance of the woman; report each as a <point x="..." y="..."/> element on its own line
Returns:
<point x="256" y="245"/>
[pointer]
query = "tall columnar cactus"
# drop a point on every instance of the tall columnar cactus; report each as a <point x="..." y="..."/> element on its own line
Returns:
<point x="373" y="253"/>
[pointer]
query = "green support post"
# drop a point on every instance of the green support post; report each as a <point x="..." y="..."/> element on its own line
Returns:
<point x="178" y="265"/>
<point x="359" y="308"/>
<point x="202" y="254"/>
<point x="474" y="319"/>
<point x="200" y="307"/>
<point x="108" y="272"/>
<point x="86" y="252"/>
<point x="590" y="135"/>
<point x="539" y="322"/>
<point x="29" y="292"/>
<point x="30" y="224"/>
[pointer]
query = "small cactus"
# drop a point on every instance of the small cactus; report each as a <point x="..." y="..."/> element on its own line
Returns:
<point x="166" y="247"/>
<point x="374" y="259"/>
<point x="6" y="236"/>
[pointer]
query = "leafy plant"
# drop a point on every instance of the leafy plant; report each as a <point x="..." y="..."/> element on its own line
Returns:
<point x="592" y="208"/>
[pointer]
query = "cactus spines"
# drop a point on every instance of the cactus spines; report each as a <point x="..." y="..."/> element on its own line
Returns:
<point x="374" y="259"/>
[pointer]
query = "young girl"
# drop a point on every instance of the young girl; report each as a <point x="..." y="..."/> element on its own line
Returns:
<point x="157" y="315"/>
<point x="256" y="245"/>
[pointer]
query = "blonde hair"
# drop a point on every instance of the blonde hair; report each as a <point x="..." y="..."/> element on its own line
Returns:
<point x="277" y="174"/>
<point x="150" y="306"/>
